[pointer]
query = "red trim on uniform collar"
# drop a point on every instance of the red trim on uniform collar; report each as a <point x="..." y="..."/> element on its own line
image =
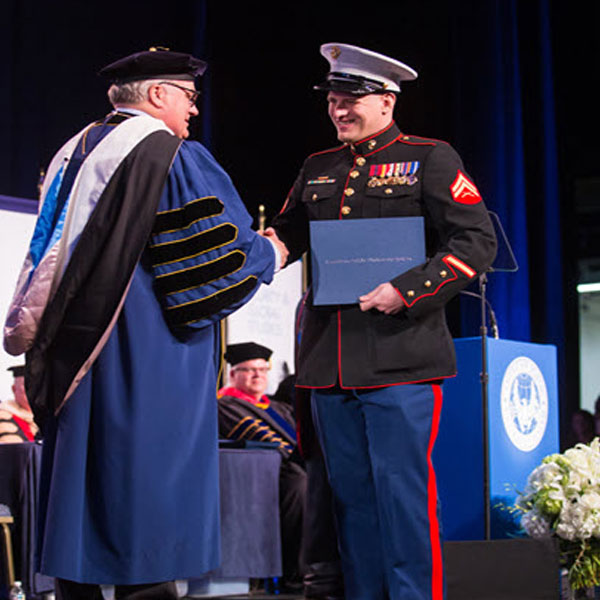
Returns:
<point x="382" y="138"/>
<point x="392" y="123"/>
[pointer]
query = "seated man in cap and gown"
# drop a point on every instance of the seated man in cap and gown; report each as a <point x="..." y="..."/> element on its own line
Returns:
<point x="16" y="416"/>
<point x="246" y="413"/>
<point x="142" y="245"/>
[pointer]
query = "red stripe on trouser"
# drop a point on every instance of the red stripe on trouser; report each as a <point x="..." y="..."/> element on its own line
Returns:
<point x="437" y="576"/>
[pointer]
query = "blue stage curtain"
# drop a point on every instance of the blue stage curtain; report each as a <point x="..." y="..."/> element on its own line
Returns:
<point x="51" y="53"/>
<point x="551" y="322"/>
<point x="489" y="133"/>
<point x="20" y="97"/>
<point x="505" y="128"/>
<point x="202" y="49"/>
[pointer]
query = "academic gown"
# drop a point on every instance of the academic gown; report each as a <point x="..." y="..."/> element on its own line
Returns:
<point x="130" y="473"/>
<point x="129" y="486"/>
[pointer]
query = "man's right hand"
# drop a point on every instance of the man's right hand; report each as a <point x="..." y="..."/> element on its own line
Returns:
<point x="271" y="235"/>
<point x="384" y="298"/>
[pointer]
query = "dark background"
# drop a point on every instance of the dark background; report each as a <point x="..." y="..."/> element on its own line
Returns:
<point x="512" y="85"/>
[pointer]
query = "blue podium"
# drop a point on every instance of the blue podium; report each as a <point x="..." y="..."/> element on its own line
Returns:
<point x="522" y="426"/>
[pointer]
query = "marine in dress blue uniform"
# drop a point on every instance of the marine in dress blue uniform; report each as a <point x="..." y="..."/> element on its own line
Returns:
<point x="123" y="365"/>
<point x="376" y="367"/>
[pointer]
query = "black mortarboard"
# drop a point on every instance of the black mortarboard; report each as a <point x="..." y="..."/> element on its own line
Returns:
<point x="237" y="353"/>
<point x="155" y="63"/>
<point x="18" y="371"/>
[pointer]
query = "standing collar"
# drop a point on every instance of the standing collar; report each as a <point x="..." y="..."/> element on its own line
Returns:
<point x="377" y="141"/>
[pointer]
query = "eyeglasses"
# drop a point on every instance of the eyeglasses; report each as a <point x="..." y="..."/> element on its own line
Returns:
<point x="257" y="370"/>
<point x="192" y="95"/>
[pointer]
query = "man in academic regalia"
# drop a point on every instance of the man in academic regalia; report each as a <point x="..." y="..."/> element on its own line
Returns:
<point x="246" y="413"/>
<point x="141" y="247"/>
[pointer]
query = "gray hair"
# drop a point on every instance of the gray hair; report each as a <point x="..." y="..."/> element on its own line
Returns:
<point x="132" y="92"/>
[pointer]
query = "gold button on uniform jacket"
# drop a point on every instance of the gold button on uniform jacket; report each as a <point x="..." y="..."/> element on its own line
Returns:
<point x="389" y="175"/>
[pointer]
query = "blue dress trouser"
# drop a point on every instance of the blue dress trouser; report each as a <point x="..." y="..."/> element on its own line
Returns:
<point x="378" y="445"/>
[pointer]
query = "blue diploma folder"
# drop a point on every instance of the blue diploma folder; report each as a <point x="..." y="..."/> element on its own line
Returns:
<point x="351" y="257"/>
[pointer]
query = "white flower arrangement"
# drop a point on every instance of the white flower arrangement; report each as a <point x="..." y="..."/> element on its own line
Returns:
<point x="562" y="500"/>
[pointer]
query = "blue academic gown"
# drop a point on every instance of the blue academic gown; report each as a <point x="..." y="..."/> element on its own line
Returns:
<point x="129" y="489"/>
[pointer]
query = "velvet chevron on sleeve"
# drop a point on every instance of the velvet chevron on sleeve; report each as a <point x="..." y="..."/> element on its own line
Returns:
<point x="206" y="259"/>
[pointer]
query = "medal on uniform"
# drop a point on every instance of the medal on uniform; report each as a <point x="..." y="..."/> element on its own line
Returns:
<point x="400" y="173"/>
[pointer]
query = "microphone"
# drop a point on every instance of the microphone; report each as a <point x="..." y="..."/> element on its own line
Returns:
<point x="493" y="321"/>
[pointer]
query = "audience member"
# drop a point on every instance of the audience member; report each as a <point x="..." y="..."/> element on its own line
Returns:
<point x="582" y="427"/>
<point x="597" y="415"/>
<point x="246" y="413"/>
<point x="16" y="417"/>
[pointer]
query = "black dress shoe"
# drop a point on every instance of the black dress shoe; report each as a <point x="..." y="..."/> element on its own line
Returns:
<point x="291" y="587"/>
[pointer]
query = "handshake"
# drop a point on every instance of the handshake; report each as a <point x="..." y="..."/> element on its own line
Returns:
<point x="272" y="236"/>
<point x="384" y="298"/>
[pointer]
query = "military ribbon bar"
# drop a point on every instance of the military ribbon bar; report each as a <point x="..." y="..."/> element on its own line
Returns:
<point x="322" y="179"/>
<point x="394" y="169"/>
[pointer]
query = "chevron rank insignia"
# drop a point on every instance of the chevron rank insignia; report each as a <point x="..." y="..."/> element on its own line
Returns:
<point x="463" y="190"/>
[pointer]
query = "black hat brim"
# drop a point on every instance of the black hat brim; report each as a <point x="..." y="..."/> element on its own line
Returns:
<point x="350" y="84"/>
